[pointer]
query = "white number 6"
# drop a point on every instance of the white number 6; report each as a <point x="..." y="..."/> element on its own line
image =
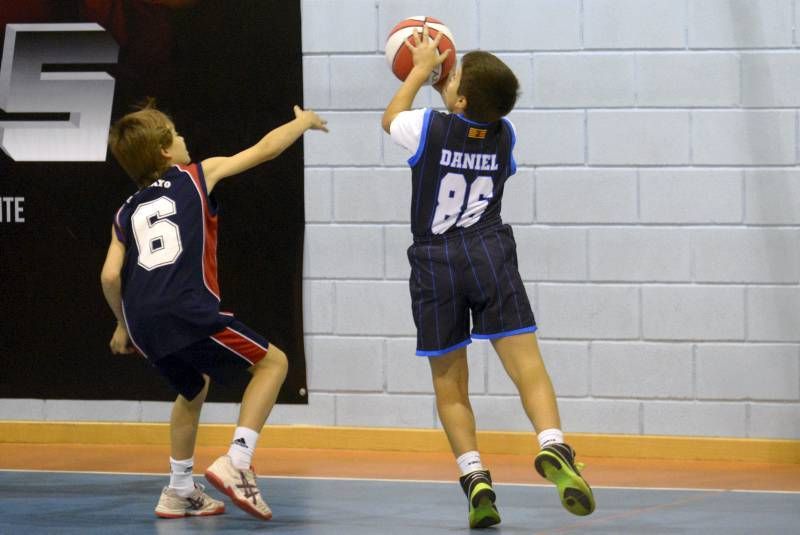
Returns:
<point x="158" y="239"/>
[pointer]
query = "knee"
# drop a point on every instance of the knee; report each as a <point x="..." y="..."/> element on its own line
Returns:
<point x="275" y="361"/>
<point x="449" y="389"/>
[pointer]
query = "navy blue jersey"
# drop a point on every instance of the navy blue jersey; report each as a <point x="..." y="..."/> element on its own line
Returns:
<point x="458" y="173"/>
<point x="170" y="294"/>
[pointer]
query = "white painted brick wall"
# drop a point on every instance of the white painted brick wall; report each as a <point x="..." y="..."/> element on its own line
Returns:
<point x="583" y="80"/>
<point x="613" y="24"/>
<point x="704" y="196"/>
<point x="638" y="137"/>
<point x="749" y="137"/>
<point x="639" y="254"/>
<point x="535" y="25"/>
<point x="694" y="418"/>
<point x="771" y="80"/>
<point x="636" y="370"/>
<point x="767" y="255"/>
<point x="753" y="371"/>
<point x="693" y="312"/>
<point x="772" y="197"/>
<point x="687" y="79"/>
<point x="656" y="207"/>
<point x="740" y="23"/>
<point x="585" y="195"/>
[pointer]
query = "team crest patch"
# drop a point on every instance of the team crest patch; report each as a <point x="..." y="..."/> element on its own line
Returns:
<point x="476" y="133"/>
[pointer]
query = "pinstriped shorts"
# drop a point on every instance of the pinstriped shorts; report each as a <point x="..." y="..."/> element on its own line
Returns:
<point x="467" y="275"/>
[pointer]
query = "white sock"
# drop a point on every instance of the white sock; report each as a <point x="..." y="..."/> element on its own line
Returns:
<point x="180" y="477"/>
<point x="550" y="436"/>
<point x="469" y="462"/>
<point x="242" y="447"/>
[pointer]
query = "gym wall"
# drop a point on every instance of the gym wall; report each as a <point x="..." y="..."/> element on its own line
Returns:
<point x="656" y="207"/>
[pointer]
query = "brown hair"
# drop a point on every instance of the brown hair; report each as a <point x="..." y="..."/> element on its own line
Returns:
<point x="136" y="141"/>
<point x="491" y="88"/>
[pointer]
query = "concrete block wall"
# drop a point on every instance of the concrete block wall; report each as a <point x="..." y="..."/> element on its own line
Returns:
<point x="656" y="208"/>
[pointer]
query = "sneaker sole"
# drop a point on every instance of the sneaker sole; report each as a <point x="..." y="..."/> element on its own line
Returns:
<point x="244" y="505"/>
<point x="484" y="515"/>
<point x="219" y="511"/>
<point x="576" y="495"/>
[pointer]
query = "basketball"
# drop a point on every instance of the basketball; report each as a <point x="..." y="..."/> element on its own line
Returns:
<point x="399" y="56"/>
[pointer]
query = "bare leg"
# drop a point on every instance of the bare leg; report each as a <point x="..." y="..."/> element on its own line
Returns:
<point x="262" y="390"/>
<point x="451" y="385"/>
<point x="523" y="362"/>
<point x="183" y="423"/>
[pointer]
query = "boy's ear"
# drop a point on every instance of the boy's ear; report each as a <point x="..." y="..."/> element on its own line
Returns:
<point x="461" y="103"/>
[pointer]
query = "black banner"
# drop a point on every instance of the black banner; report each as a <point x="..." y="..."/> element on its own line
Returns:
<point x="227" y="72"/>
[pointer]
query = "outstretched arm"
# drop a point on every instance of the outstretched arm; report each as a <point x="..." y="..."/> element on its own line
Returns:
<point x="270" y="146"/>
<point x="426" y="57"/>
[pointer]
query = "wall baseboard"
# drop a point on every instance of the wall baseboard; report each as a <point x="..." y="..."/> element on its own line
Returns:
<point x="422" y="440"/>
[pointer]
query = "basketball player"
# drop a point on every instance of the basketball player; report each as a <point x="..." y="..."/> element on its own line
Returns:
<point x="463" y="260"/>
<point x="160" y="280"/>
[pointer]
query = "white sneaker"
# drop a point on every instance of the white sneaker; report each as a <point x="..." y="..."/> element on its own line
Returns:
<point x="198" y="503"/>
<point x="239" y="485"/>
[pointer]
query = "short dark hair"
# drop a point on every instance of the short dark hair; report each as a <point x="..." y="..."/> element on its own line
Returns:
<point x="491" y="88"/>
<point x="136" y="141"/>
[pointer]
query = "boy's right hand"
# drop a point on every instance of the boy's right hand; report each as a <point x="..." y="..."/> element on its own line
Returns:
<point x="310" y="119"/>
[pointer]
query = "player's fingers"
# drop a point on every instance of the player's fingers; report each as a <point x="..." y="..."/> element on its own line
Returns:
<point x="415" y="38"/>
<point x="426" y="34"/>
<point x="443" y="55"/>
<point x="438" y="38"/>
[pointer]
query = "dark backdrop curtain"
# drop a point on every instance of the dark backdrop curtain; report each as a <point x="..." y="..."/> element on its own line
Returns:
<point x="227" y="71"/>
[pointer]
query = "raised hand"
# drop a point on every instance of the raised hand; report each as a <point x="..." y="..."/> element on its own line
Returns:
<point x="425" y="51"/>
<point x="310" y="119"/>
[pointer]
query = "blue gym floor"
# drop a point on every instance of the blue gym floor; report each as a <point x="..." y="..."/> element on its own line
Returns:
<point x="80" y="503"/>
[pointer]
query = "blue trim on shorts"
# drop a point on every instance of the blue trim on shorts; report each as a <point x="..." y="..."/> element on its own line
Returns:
<point x="503" y="334"/>
<point x="440" y="352"/>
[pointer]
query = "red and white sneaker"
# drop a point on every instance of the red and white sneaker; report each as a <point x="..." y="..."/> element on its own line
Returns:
<point x="240" y="486"/>
<point x="198" y="503"/>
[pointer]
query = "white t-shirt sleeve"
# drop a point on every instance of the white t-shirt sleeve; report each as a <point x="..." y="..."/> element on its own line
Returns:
<point x="406" y="129"/>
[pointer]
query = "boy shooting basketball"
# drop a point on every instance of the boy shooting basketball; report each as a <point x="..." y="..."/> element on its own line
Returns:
<point x="160" y="280"/>
<point x="463" y="261"/>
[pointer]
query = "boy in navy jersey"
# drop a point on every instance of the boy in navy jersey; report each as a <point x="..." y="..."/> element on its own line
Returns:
<point x="463" y="261"/>
<point x="160" y="280"/>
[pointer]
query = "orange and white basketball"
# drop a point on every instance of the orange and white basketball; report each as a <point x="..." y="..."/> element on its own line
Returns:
<point x="399" y="56"/>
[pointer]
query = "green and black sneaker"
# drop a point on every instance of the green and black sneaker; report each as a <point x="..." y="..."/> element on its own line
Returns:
<point x="556" y="462"/>
<point x="477" y="486"/>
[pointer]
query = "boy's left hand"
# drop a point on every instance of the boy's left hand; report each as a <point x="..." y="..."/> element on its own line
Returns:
<point x="425" y="51"/>
<point x="120" y="341"/>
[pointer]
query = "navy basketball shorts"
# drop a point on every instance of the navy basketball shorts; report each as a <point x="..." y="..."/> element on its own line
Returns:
<point x="463" y="273"/>
<point x="221" y="356"/>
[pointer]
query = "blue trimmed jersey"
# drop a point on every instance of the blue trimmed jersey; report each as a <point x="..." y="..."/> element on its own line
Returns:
<point x="464" y="280"/>
<point x="170" y="293"/>
<point x="458" y="171"/>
